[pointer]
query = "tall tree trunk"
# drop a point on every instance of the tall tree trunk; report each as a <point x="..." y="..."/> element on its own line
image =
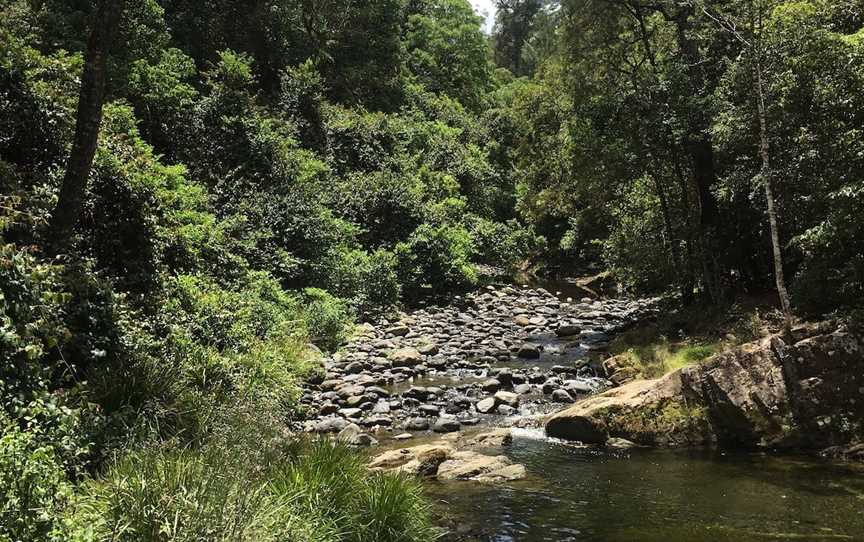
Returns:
<point x="87" y="124"/>
<point x="700" y="147"/>
<point x="764" y="151"/>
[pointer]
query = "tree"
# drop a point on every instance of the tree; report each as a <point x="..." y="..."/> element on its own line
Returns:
<point x="514" y="22"/>
<point x="754" y="46"/>
<point x="88" y="121"/>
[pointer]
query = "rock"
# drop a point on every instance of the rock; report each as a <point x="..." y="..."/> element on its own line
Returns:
<point x="506" y="410"/>
<point x="491" y="439"/>
<point x="428" y="349"/>
<point x="406" y="357"/>
<point x="528" y="351"/>
<point x="397" y="331"/>
<point x="354" y="436"/>
<point x="466" y="465"/>
<point x="394" y="459"/>
<point x="620" y="443"/>
<point x="522" y="321"/>
<point x="330" y="425"/>
<point x="403" y="436"/>
<point x="492" y="385"/>
<point x="523" y="389"/>
<point x="446" y="425"/>
<point x="763" y="394"/>
<point x="561" y="396"/>
<point x="328" y="408"/>
<point x="485" y="406"/>
<point x="567" y="330"/>
<point x="351" y="412"/>
<point x="509" y="473"/>
<point x="589" y="337"/>
<point x="417" y="424"/>
<point x="507" y="398"/>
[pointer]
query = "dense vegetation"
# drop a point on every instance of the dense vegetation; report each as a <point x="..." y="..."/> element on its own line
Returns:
<point x="267" y="172"/>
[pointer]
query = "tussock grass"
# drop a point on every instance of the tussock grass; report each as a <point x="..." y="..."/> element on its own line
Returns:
<point x="320" y="493"/>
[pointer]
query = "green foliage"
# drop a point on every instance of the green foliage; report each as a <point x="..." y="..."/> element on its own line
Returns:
<point x="327" y="318"/>
<point x="447" y="51"/>
<point x="33" y="486"/>
<point x="437" y="259"/>
<point x="321" y="493"/>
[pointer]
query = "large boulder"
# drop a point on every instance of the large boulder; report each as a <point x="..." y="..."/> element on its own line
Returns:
<point x="765" y="394"/>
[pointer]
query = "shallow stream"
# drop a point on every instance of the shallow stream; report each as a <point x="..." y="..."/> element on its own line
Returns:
<point x="583" y="494"/>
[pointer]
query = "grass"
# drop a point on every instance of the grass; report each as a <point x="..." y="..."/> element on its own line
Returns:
<point x="321" y="492"/>
<point x="688" y="337"/>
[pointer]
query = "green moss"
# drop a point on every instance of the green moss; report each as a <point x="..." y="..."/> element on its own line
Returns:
<point x="669" y="423"/>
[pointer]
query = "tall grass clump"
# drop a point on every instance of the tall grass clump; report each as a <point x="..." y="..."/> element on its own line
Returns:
<point x="317" y="492"/>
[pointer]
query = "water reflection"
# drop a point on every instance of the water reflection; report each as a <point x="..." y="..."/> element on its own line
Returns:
<point x="646" y="496"/>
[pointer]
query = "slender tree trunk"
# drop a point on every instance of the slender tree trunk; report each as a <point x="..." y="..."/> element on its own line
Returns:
<point x="87" y="124"/>
<point x="764" y="151"/>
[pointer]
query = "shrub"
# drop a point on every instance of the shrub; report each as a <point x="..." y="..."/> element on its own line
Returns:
<point x="33" y="486"/>
<point x="504" y="245"/>
<point x="327" y="318"/>
<point x="367" y="280"/>
<point x="436" y="258"/>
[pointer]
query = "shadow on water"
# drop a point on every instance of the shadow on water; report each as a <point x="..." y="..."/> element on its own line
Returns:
<point x="584" y="494"/>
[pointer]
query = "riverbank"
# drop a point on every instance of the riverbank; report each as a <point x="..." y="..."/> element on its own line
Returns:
<point x="807" y="394"/>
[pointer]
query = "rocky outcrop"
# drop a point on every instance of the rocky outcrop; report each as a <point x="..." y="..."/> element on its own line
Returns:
<point x="766" y="394"/>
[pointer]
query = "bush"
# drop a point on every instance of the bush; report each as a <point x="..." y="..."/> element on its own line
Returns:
<point x="504" y="245"/>
<point x="33" y="486"/>
<point x="327" y="318"/>
<point x="436" y="258"/>
<point x="368" y="281"/>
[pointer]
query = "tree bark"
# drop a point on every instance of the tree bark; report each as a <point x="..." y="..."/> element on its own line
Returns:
<point x="87" y="124"/>
<point x="765" y="153"/>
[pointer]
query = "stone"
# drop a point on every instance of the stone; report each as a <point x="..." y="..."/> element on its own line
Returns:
<point x="406" y="357"/>
<point x="397" y="331"/>
<point x="510" y="473"/>
<point x="561" y="396"/>
<point x="466" y="465"/>
<point x="491" y="439"/>
<point x="354" y="436"/>
<point x="330" y="425"/>
<point x="351" y="412"/>
<point x="428" y="349"/>
<point x="485" y="406"/>
<point x="446" y="425"/>
<point x="492" y="385"/>
<point x="403" y="436"/>
<point x="522" y="321"/>
<point x="417" y="424"/>
<point x="328" y="408"/>
<point x="528" y="351"/>
<point x="507" y="398"/>
<point x="523" y="389"/>
<point x="567" y="330"/>
<point x="620" y="443"/>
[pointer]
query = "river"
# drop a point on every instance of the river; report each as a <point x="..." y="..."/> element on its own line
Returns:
<point x="585" y="494"/>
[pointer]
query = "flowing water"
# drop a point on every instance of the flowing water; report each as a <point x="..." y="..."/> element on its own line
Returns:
<point x="583" y="494"/>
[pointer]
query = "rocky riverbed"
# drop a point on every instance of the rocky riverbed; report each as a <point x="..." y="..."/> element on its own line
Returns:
<point x="499" y="356"/>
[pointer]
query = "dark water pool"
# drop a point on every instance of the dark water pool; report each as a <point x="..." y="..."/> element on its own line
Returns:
<point x="657" y="496"/>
